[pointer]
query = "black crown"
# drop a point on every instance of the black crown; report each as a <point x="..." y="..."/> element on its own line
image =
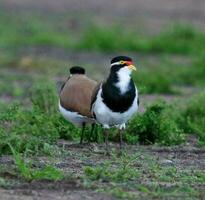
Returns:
<point x="77" y="70"/>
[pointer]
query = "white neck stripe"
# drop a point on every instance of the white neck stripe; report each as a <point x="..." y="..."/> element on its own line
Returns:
<point x="116" y="63"/>
<point x="123" y="79"/>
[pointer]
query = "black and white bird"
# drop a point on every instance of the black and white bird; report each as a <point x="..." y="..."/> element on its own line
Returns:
<point x="115" y="100"/>
<point x="75" y="99"/>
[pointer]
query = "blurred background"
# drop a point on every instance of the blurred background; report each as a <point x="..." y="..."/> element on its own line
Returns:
<point x="44" y="38"/>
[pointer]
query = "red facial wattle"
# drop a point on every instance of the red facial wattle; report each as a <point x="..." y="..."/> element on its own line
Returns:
<point x="129" y="63"/>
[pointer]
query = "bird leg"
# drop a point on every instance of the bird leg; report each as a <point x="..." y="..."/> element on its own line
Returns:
<point x="121" y="130"/>
<point x="96" y="134"/>
<point x="82" y="133"/>
<point x="121" y="140"/>
<point x="91" y="132"/>
<point x="106" y="133"/>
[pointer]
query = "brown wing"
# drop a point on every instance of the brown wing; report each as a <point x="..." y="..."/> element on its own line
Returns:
<point x="94" y="94"/>
<point x="62" y="86"/>
<point x="76" y="94"/>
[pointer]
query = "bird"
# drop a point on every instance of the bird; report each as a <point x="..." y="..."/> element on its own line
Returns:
<point x="75" y="98"/>
<point x="115" y="100"/>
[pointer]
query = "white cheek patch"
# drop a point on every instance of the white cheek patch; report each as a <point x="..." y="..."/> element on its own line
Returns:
<point x="116" y="63"/>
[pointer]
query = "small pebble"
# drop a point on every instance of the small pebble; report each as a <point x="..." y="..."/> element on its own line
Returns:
<point x="166" y="163"/>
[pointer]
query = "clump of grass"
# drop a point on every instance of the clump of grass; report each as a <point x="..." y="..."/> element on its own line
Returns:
<point x="44" y="96"/>
<point x="158" y="124"/>
<point x="193" y="74"/>
<point x="161" y="123"/>
<point x="120" y="192"/>
<point x="35" y="128"/>
<point x="27" y="172"/>
<point x="181" y="39"/>
<point x="108" y="171"/>
<point x="198" y="71"/>
<point x="99" y="39"/>
<point x="114" y="177"/>
<point x="195" y="116"/>
<point x="30" y="129"/>
<point x="26" y="130"/>
<point x="13" y="84"/>
<point x="157" y="82"/>
<point x="32" y="30"/>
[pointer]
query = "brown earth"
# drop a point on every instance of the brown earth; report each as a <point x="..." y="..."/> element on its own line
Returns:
<point x="185" y="157"/>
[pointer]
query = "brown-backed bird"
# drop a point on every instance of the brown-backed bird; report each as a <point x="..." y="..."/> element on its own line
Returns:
<point x="75" y="99"/>
<point x="115" y="100"/>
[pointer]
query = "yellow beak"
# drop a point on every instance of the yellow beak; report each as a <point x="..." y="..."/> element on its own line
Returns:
<point x="132" y="67"/>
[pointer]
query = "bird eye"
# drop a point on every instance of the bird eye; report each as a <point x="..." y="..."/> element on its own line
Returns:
<point x="122" y="62"/>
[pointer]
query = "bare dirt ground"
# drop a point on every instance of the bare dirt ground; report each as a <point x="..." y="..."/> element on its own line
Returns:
<point x="185" y="157"/>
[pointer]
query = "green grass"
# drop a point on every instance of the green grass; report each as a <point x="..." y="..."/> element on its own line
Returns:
<point x="160" y="76"/>
<point x="146" y="182"/>
<point x="13" y="83"/>
<point x="30" y="128"/>
<point x="198" y="71"/>
<point x="158" y="124"/>
<point x="37" y="128"/>
<point x="153" y="82"/>
<point x="26" y="130"/>
<point x="124" y="172"/>
<point x="29" y="30"/>
<point x="194" y="116"/>
<point x="27" y="172"/>
<point x="23" y="30"/>
<point x="33" y="30"/>
<point x="180" y="39"/>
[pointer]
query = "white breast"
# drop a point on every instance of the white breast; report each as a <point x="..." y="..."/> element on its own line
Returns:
<point x="107" y="117"/>
<point x="75" y="117"/>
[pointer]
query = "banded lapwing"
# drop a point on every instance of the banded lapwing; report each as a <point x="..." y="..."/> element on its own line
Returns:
<point x="75" y="99"/>
<point x="115" y="100"/>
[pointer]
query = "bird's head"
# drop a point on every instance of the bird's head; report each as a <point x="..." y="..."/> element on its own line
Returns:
<point x="77" y="70"/>
<point x="122" y="64"/>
